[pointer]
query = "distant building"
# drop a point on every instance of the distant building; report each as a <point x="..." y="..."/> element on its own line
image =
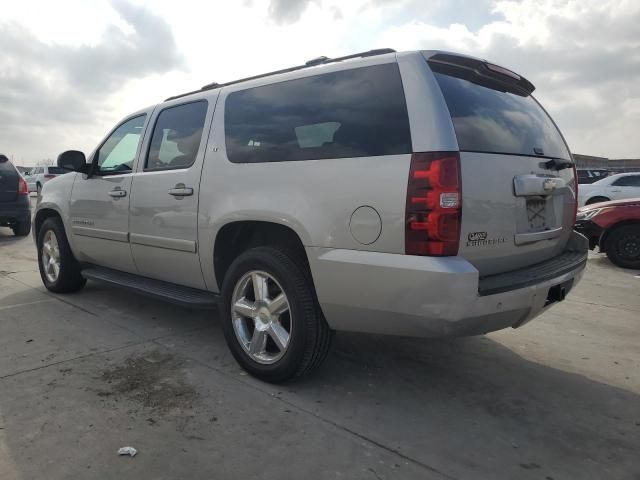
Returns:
<point x="611" y="164"/>
<point x="589" y="161"/>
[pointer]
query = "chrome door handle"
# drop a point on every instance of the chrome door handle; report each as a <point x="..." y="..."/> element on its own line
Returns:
<point x="117" y="193"/>
<point x="181" y="191"/>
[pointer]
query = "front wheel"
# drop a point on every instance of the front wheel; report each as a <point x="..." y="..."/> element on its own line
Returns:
<point x="623" y="246"/>
<point x="270" y="317"/>
<point x="59" y="270"/>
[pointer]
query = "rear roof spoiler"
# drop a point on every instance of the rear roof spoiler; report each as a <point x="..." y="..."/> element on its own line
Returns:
<point x="482" y="72"/>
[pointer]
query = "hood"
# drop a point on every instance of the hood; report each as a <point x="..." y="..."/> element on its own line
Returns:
<point x="613" y="203"/>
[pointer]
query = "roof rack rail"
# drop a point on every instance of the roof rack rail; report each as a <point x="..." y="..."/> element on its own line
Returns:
<point x="311" y="63"/>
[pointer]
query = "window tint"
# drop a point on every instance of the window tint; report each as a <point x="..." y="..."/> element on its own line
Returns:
<point x="57" y="170"/>
<point x="118" y="152"/>
<point x="488" y="120"/>
<point x="352" y="113"/>
<point x="176" y="136"/>
<point x="628" y="181"/>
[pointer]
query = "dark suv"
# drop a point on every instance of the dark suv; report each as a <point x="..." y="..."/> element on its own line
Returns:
<point x="15" y="208"/>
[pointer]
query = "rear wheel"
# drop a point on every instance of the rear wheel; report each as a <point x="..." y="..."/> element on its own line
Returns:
<point x="623" y="246"/>
<point x="596" y="200"/>
<point x="270" y="317"/>
<point x="21" y="229"/>
<point x="59" y="270"/>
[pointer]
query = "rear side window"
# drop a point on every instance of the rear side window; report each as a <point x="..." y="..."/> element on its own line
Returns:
<point x="628" y="181"/>
<point x="352" y="113"/>
<point x="488" y="120"/>
<point x="176" y="136"/>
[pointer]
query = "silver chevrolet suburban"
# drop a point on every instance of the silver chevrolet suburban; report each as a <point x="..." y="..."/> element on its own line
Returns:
<point x="419" y="193"/>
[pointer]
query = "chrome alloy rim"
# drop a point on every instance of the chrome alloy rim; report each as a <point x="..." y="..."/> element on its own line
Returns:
<point x="51" y="256"/>
<point x="261" y="317"/>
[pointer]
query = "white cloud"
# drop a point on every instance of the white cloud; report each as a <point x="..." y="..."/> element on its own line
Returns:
<point x="582" y="56"/>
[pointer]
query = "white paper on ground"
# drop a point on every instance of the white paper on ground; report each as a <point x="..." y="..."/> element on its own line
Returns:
<point x="127" y="451"/>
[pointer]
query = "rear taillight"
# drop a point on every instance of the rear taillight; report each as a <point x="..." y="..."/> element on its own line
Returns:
<point x="434" y="204"/>
<point x="48" y="175"/>
<point x="23" y="188"/>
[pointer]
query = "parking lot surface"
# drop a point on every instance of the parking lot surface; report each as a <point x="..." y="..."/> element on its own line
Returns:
<point x="82" y="375"/>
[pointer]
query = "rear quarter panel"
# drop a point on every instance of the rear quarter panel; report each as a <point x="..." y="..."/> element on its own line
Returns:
<point x="316" y="198"/>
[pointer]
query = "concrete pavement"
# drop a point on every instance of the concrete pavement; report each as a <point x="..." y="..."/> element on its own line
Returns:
<point x="84" y="374"/>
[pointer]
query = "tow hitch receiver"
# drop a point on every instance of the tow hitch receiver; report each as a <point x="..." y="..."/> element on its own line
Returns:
<point x="558" y="293"/>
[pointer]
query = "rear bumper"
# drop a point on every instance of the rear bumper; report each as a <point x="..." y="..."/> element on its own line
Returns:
<point x="18" y="211"/>
<point x="435" y="297"/>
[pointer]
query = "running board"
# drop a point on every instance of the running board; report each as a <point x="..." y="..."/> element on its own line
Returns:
<point x="184" y="296"/>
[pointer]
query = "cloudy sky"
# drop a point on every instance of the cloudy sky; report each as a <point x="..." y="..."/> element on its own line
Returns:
<point x="70" y="69"/>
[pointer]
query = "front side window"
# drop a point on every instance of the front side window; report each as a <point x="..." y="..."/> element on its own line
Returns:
<point x="628" y="181"/>
<point x="118" y="152"/>
<point x="351" y="113"/>
<point x="177" y="136"/>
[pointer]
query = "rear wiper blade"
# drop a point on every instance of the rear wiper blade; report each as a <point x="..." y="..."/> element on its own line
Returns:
<point x="556" y="164"/>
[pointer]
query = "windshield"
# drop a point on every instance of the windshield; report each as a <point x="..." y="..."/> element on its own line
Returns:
<point x="493" y="121"/>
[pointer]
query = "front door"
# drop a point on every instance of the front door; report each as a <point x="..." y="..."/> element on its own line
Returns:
<point x="99" y="207"/>
<point x="164" y="200"/>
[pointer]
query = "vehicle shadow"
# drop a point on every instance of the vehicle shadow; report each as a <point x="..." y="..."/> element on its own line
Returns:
<point x="473" y="408"/>
<point x="7" y="236"/>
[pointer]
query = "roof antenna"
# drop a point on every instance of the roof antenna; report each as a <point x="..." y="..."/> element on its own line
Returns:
<point x="316" y="61"/>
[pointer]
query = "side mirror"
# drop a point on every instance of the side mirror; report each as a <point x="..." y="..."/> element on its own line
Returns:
<point x="73" y="160"/>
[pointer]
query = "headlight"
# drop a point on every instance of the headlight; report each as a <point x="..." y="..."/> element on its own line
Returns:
<point x="588" y="214"/>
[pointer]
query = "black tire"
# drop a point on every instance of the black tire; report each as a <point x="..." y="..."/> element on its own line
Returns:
<point x="593" y="200"/>
<point x="21" y="229"/>
<point x="311" y="336"/>
<point x="623" y="246"/>
<point x="69" y="278"/>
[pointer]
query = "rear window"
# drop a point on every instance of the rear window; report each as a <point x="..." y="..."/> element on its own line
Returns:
<point x="352" y="113"/>
<point x="57" y="170"/>
<point x="488" y="120"/>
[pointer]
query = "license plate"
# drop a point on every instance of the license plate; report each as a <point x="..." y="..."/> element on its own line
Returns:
<point x="536" y="213"/>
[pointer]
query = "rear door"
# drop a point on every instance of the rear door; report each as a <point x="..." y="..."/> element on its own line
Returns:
<point x="518" y="188"/>
<point x="8" y="182"/>
<point x="625" y="187"/>
<point x="164" y="200"/>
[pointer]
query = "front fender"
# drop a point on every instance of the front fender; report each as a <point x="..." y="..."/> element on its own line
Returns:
<point x="56" y="196"/>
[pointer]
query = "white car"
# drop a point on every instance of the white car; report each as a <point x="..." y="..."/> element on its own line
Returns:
<point x="613" y="187"/>
<point x="38" y="176"/>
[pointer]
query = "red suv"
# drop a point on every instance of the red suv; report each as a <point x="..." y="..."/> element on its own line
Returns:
<point x="615" y="228"/>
